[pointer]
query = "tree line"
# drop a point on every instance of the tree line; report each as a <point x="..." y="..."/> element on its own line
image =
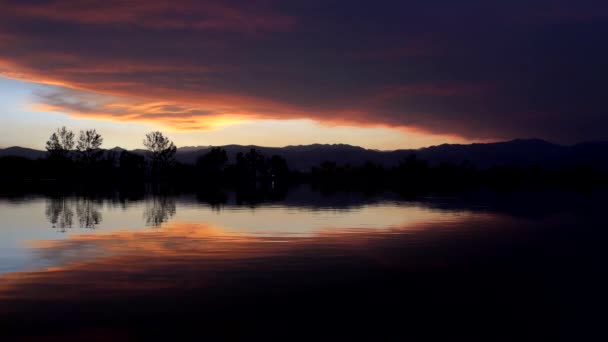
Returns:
<point x="81" y="159"/>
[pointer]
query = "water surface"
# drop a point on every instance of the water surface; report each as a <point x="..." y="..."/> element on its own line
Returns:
<point x="481" y="266"/>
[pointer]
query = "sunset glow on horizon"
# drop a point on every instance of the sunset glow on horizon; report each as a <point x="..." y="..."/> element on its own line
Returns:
<point x="26" y="113"/>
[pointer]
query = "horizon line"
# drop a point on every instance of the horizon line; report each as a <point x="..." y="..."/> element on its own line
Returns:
<point x="343" y="144"/>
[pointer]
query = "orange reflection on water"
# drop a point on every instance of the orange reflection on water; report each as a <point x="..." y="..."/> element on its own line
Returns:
<point x="181" y="257"/>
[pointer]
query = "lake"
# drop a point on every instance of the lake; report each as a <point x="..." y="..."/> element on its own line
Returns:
<point x="302" y="264"/>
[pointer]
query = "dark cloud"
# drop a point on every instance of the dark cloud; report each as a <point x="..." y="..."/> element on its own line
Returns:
<point x="473" y="68"/>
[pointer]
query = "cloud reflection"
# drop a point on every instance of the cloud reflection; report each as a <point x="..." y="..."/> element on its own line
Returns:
<point x="185" y="255"/>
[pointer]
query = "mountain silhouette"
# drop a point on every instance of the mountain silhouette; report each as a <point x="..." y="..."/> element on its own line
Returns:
<point x="519" y="152"/>
<point x="17" y="151"/>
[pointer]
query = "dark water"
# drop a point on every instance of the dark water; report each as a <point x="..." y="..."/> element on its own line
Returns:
<point x="481" y="266"/>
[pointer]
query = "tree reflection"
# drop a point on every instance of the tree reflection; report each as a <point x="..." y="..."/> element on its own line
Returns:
<point x="60" y="212"/>
<point x="88" y="212"/>
<point x="159" y="209"/>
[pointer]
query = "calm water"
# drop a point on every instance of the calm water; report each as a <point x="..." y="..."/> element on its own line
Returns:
<point x="303" y="265"/>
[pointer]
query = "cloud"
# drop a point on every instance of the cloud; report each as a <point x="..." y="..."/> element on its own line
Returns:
<point x="237" y="16"/>
<point x="474" y="69"/>
<point x="174" y="115"/>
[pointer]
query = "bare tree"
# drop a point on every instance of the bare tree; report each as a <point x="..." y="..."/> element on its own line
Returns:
<point x="89" y="143"/>
<point x="60" y="142"/>
<point x="162" y="150"/>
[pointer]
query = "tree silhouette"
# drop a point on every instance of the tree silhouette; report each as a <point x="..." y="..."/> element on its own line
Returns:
<point x="251" y="165"/>
<point x="212" y="163"/>
<point x="162" y="151"/>
<point x="88" y="146"/>
<point x="60" y="143"/>
<point x="277" y="166"/>
<point x="131" y="165"/>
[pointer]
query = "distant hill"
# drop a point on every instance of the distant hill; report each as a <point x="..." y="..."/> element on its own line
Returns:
<point x="301" y="157"/>
<point x="520" y="152"/>
<point x="17" y="151"/>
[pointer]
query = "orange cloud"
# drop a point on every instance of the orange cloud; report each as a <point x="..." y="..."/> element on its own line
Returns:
<point x="120" y="91"/>
<point x="163" y="85"/>
<point x="196" y="113"/>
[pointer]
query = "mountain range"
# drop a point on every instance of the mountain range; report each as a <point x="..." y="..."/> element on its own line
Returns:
<point x="519" y="152"/>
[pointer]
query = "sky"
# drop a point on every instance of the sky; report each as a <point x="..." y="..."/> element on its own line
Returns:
<point x="382" y="74"/>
